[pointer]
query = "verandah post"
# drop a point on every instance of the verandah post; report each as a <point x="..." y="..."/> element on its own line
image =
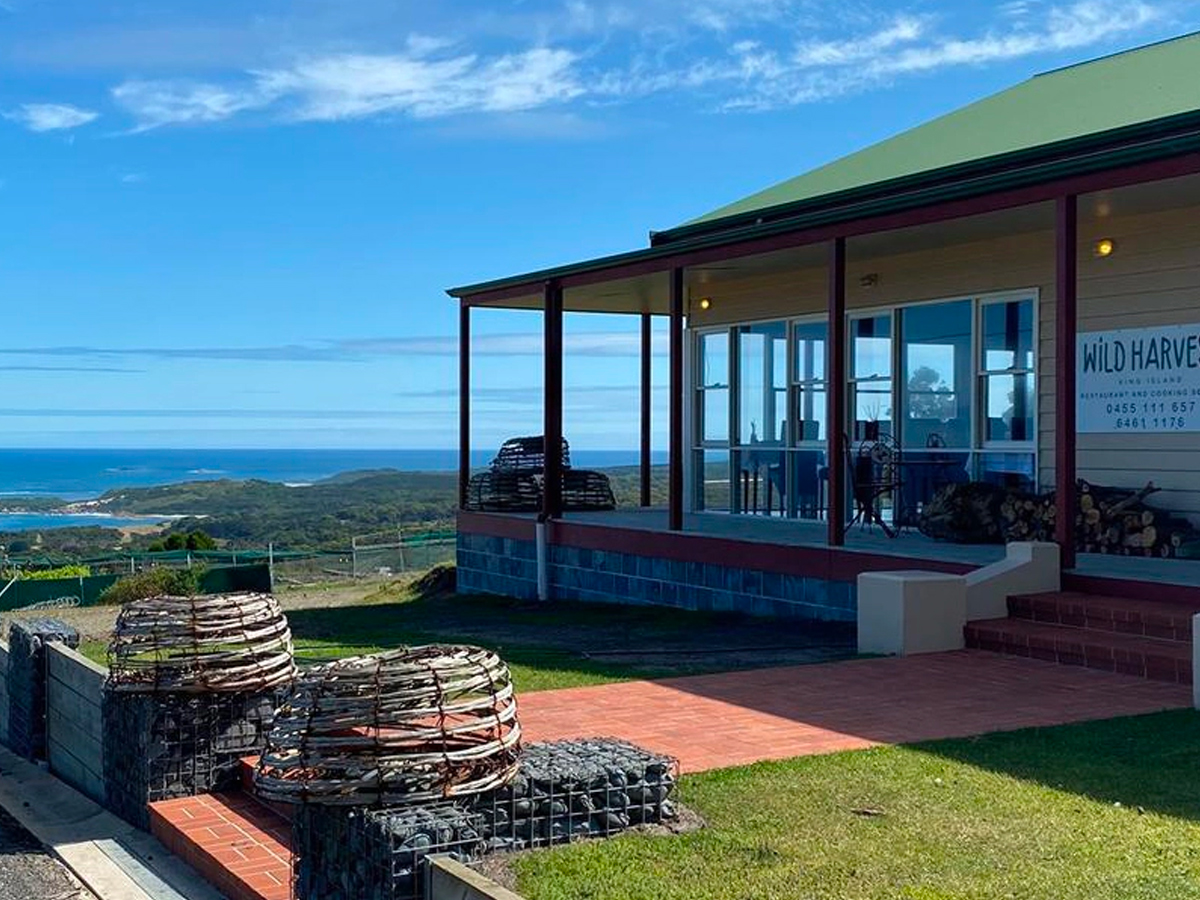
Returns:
<point x="552" y="407"/>
<point x="835" y="397"/>
<point x="1065" y="328"/>
<point x="645" y="426"/>
<point x="675" y="511"/>
<point x="464" y="403"/>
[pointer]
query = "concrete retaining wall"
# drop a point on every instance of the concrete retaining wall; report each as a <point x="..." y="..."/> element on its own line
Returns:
<point x="448" y="879"/>
<point x="74" y="726"/>
<point x="3" y="693"/>
<point x="508" y="567"/>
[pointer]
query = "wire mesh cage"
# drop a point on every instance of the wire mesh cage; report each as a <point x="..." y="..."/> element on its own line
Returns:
<point x="26" y="675"/>
<point x="570" y="790"/>
<point x="409" y="726"/>
<point x="164" y="745"/>
<point x="202" y="644"/>
<point x="377" y="854"/>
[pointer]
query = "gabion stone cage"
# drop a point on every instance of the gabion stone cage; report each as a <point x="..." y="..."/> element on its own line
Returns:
<point x="26" y="676"/>
<point x="564" y="791"/>
<point x="219" y="643"/>
<point x="165" y="745"/>
<point x="343" y="853"/>
<point x="409" y="726"/>
<point x="569" y="790"/>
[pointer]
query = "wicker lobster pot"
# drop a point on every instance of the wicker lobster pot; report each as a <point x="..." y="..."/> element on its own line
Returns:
<point x="408" y="726"/>
<point x="192" y="688"/>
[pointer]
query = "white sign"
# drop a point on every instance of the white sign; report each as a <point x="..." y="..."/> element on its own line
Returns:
<point x="1143" y="380"/>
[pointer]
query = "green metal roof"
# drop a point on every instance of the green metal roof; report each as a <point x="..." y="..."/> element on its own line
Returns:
<point x="1150" y="83"/>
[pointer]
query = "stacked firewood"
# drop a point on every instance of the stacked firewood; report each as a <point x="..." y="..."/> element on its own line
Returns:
<point x="1028" y="517"/>
<point x="1118" y="521"/>
<point x="1110" y="520"/>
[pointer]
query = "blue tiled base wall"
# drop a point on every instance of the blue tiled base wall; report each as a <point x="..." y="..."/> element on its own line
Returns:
<point x="508" y="567"/>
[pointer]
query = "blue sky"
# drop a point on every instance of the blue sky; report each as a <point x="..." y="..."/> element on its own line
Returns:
<point x="231" y="224"/>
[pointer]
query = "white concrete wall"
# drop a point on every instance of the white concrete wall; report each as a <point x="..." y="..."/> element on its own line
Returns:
<point x="1027" y="568"/>
<point x="74" y="727"/>
<point x="904" y="613"/>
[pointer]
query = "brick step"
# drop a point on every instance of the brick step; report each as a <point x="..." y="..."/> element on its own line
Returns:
<point x="1162" y="620"/>
<point x="1129" y="654"/>
<point x="238" y="845"/>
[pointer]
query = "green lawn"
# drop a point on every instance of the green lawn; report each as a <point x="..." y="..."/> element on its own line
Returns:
<point x="1101" y="811"/>
<point x="560" y="644"/>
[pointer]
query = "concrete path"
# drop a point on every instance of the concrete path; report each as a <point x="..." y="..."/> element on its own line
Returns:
<point x="114" y="860"/>
<point x="737" y="718"/>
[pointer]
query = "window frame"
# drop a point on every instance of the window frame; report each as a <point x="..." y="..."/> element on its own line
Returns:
<point x="979" y="447"/>
<point x="983" y="373"/>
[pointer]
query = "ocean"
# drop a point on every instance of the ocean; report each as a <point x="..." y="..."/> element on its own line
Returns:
<point x="84" y="474"/>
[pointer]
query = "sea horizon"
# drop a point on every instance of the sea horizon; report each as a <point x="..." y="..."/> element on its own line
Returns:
<point x="82" y="474"/>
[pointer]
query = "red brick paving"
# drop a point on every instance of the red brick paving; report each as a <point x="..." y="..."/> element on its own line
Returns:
<point x="714" y="721"/>
<point x="736" y="718"/>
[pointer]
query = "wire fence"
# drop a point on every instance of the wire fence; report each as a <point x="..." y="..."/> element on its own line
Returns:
<point x="379" y="555"/>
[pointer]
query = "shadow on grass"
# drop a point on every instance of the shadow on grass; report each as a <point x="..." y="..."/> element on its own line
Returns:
<point x="600" y="642"/>
<point x="1151" y="761"/>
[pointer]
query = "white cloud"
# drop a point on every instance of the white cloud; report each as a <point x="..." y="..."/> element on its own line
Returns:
<point x="356" y="85"/>
<point x="178" y="102"/>
<point x="723" y="54"/>
<point x="51" y="116"/>
<point x="1069" y="28"/>
<point x="132" y="178"/>
<point x="417" y="83"/>
<point x="908" y="46"/>
<point x="902" y="30"/>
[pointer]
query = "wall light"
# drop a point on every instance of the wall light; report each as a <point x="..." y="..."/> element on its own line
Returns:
<point x="705" y="302"/>
<point x="1104" y="248"/>
<point x="869" y="281"/>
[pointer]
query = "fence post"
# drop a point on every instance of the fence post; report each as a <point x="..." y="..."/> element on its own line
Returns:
<point x="353" y="557"/>
<point x="400" y="547"/>
<point x="271" y="564"/>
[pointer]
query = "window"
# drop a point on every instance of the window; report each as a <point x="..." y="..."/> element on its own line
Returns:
<point x="808" y="422"/>
<point x="762" y="383"/>
<point x="807" y="473"/>
<point x="762" y="386"/>
<point x="935" y="400"/>
<point x="713" y="387"/>
<point x="951" y="383"/>
<point x="713" y="489"/>
<point x="1007" y="371"/>
<point x="871" y="375"/>
<point x="711" y="471"/>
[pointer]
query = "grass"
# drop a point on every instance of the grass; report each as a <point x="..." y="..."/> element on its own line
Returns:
<point x="1101" y="810"/>
<point x="557" y="645"/>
